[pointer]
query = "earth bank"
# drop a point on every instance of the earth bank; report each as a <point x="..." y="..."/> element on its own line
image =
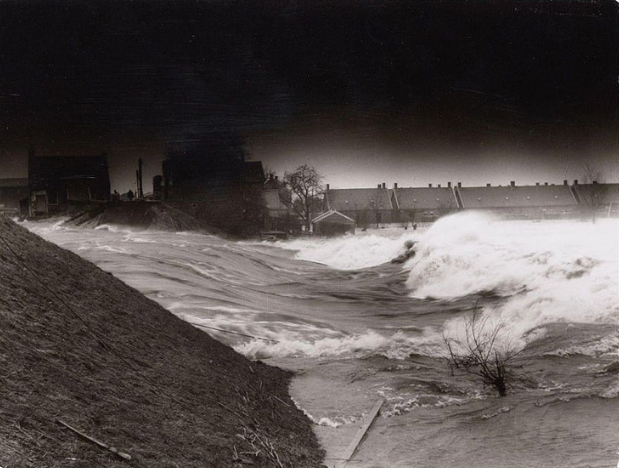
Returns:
<point x="80" y="346"/>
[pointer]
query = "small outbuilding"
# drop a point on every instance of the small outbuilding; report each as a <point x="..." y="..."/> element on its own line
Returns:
<point x="12" y="192"/>
<point x="333" y="223"/>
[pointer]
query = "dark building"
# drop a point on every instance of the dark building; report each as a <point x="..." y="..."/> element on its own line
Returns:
<point x="12" y="192"/>
<point x="224" y="194"/>
<point x="59" y="183"/>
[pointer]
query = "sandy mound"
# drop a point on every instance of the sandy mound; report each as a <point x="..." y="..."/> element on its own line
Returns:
<point x="144" y="215"/>
<point x="127" y="372"/>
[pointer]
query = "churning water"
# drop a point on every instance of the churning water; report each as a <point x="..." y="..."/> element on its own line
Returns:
<point x="357" y="328"/>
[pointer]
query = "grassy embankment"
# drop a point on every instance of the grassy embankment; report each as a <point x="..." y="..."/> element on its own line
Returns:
<point x="78" y="345"/>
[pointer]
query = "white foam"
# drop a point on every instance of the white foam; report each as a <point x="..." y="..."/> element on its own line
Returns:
<point x="550" y="272"/>
<point x="396" y="346"/>
<point x="352" y="252"/>
<point x="606" y="346"/>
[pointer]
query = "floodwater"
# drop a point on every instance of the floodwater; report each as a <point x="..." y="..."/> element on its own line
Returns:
<point x="356" y="328"/>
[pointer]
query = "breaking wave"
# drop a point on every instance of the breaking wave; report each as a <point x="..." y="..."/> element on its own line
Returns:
<point x="396" y="346"/>
<point x="352" y="252"/>
<point x="555" y="272"/>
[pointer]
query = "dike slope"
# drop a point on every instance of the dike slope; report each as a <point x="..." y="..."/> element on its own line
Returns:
<point x="129" y="373"/>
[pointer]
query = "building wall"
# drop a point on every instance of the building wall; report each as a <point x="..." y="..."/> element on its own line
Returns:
<point x="333" y="229"/>
<point x="11" y="196"/>
<point x="370" y="218"/>
<point x="222" y="199"/>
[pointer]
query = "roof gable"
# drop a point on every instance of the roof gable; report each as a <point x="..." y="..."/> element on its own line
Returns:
<point x="253" y="172"/>
<point x="359" y="199"/>
<point x="516" y="197"/>
<point x="333" y="216"/>
<point x="424" y="198"/>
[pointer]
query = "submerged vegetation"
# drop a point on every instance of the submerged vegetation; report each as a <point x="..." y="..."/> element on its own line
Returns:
<point x="487" y="351"/>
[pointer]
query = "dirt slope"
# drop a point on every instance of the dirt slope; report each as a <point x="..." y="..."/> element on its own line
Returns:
<point x="144" y="215"/>
<point x="127" y="372"/>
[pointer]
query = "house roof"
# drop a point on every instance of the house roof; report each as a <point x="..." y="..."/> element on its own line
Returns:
<point x="14" y="182"/>
<point x="68" y="167"/>
<point x="516" y="197"/>
<point x="425" y="198"/>
<point x="359" y="199"/>
<point x="607" y="193"/>
<point x="333" y="216"/>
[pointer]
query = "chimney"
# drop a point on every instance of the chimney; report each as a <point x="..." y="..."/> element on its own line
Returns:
<point x="545" y="183"/>
<point x="512" y="184"/>
<point x="488" y="185"/>
<point x="439" y="185"/>
<point x="395" y="185"/>
<point x="430" y="185"/>
<point x="328" y="187"/>
<point x="448" y="184"/>
<point x="276" y="178"/>
<point x="459" y="184"/>
<point x="270" y="176"/>
<point x="384" y="185"/>
<point x="594" y="182"/>
<point x="378" y="185"/>
<point x="565" y="182"/>
<point x="575" y="181"/>
<point x="537" y="184"/>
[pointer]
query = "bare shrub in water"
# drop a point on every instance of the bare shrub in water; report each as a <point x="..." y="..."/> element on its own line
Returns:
<point x="486" y="351"/>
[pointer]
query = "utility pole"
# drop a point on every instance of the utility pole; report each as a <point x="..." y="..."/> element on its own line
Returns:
<point x="138" y="176"/>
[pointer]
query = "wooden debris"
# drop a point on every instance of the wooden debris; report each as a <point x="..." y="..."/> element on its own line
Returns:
<point x="103" y="445"/>
<point x="352" y="447"/>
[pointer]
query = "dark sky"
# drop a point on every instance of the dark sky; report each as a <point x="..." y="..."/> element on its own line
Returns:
<point x="411" y="91"/>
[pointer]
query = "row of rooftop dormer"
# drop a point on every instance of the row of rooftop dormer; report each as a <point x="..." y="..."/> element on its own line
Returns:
<point x="459" y="185"/>
<point x="450" y="198"/>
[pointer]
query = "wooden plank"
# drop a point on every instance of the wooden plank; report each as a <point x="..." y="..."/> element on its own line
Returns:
<point x="352" y="447"/>
<point x="103" y="445"/>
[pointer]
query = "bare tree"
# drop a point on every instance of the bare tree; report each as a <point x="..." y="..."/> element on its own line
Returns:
<point x="305" y="189"/>
<point x="486" y="351"/>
